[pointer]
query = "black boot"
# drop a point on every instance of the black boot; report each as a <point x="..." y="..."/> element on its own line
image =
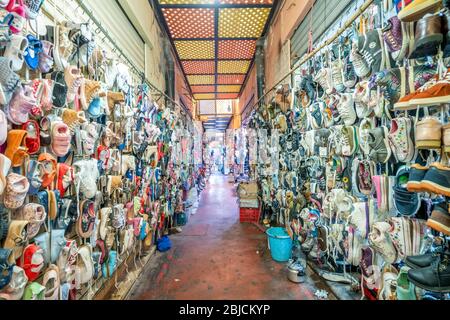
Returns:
<point x="433" y="278"/>
<point x="422" y="261"/>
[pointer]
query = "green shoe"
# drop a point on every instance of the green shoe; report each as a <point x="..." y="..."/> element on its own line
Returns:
<point x="34" y="291"/>
<point x="405" y="289"/>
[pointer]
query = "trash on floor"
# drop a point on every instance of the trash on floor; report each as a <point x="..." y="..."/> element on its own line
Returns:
<point x="321" y="294"/>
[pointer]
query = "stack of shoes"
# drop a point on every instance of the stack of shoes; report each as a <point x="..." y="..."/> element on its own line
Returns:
<point x="80" y="159"/>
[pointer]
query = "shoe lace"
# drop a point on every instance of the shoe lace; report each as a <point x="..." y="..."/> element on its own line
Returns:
<point x="434" y="81"/>
<point x="358" y="61"/>
<point x="336" y="73"/>
<point x="390" y="38"/>
<point x="322" y="79"/>
<point x="345" y="140"/>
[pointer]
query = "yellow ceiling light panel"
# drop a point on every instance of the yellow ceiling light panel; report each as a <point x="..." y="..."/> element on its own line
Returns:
<point x="186" y="1"/>
<point x="224" y="89"/>
<point x="204" y="96"/>
<point x="200" y="49"/>
<point x="201" y="79"/>
<point x="233" y="66"/>
<point x="242" y="22"/>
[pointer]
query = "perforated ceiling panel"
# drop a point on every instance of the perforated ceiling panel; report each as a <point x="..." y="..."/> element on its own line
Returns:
<point x="229" y="89"/>
<point x="199" y="67"/>
<point x="215" y="41"/>
<point x="246" y="1"/>
<point x="233" y="66"/>
<point x="201" y="22"/>
<point x="237" y="49"/>
<point x="202" y="89"/>
<point x="201" y="50"/>
<point x="230" y="79"/>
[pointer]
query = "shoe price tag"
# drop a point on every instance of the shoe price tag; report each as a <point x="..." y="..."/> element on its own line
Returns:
<point x="323" y="152"/>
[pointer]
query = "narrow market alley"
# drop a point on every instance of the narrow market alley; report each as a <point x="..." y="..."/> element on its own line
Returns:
<point x="216" y="257"/>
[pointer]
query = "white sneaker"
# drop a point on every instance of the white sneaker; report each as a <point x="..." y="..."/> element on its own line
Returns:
<point x="361" y="99"/>
<point x="364" y="135"/>
<point x="346" y="109"/>
<point x="359" y="64"/>
<point x="324" y="78"/>
<point x="337" y="77"/>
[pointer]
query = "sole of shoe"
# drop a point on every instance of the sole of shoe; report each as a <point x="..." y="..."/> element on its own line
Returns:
<point x="427" y="46"/>
<point x="415" y="12"/>
<point x="433" y="187"/>
<point x="404" y="106"/>
<point x="429" y="288"/>
<point x="428" y="144"/>
<point x="436" y="225"/>
<point x="430" y="101"/>
<point x="414" y="186"/>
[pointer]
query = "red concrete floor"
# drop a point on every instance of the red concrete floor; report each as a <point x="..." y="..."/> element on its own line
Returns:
<point x="218" y="258"/>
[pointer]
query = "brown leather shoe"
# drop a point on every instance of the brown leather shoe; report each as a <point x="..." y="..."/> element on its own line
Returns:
<point x="428" y="133"/>
<point x="428" y="37"/>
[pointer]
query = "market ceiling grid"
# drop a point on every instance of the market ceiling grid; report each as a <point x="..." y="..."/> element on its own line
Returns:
<point x="215" y="41"/>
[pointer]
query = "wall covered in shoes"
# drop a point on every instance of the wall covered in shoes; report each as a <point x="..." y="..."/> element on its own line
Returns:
<point x="353" y="154"/>
<point x="95" y="161"/>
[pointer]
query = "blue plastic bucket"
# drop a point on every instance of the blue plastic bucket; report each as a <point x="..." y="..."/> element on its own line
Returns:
<point x="280" y="244"/>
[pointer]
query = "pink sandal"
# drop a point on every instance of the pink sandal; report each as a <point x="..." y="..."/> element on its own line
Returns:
<point x="61" y="138"/>
<point x="21" y="105"/>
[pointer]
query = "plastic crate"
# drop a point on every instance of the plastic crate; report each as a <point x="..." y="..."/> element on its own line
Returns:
<point x="249" y="214"/>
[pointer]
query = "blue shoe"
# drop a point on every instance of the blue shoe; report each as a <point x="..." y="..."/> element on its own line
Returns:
<point x="6" y="269"/>
<point x="32" y="52"/>
<point x="95" y="108"/>
<point x="407" y="203"/>
<point x="109" y="267"/>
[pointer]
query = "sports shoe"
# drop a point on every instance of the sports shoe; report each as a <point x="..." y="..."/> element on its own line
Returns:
<point x="400" y="139"/>
<point x="434" y="278"/>
<point x="416" y="175"/>
<point x="363" y="171"/>
<point x="416" y="9"/>
<point x="405" y="202"/>
<point x="360" y="66"/>
<point x="404" y="103"/>
<point x="381" y="242"/>
<point x="348" y="74"/>
<point x="346" y="109"/>
<point x="440" y="220"/>
<point x="364" y="137"/>
<point x="429" y="133"/>
<point x="370" y="47"/>
<point x="349" y="140"/>
<point x="379" y="145"/>
<point x="333" y="102"/>
<point x="388" y="289"/>
<point x="337" y="77"/>
<point x="361" y="96"/>
<point x="405" y="289"/>
<point x="392" y="83"/>
<point x="316" y="116"/>
<point x="396" y="39"/>
<point x="437" y="180"/>
<point x="428" y="37"/>
<point x="324" y="78"/>
<point x="433" y="92"/>
<point x="307" y="84"/>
